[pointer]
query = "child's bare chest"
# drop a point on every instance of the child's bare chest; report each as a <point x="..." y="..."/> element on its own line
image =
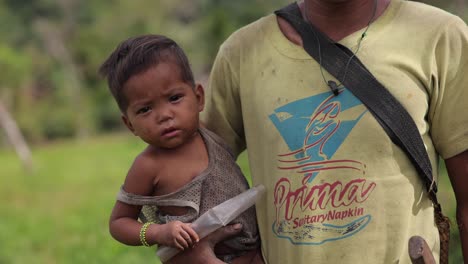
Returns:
<point x="177" y="171"/>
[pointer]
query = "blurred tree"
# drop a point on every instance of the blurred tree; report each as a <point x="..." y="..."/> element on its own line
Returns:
<point x="13" y="66"/>
<point x="219" y="18"/>
<point x="63" y="42"/>
<point x="40" y="91"/>
<point x="56" y="35"/>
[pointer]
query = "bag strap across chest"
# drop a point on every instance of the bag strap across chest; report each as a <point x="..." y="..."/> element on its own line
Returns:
<point x="387" y="110"/>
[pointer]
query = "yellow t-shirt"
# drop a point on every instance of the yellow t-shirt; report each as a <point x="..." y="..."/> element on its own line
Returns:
<point x="338" y="189"/>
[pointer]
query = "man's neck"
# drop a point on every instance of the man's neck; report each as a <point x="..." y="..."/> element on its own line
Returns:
<point x="338" y="19"/>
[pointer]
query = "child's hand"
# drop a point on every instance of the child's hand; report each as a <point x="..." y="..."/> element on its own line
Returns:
<point x="179" y="235"/>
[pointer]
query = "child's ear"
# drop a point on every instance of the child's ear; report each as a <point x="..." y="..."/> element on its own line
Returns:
<point x="200" y="94"/>
<point x="128" y="124"/>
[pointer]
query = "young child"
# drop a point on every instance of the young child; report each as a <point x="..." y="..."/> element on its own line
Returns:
<point x="185" y="169"/>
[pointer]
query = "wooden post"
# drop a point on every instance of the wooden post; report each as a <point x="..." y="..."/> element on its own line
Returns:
<point x="15" y="138"/>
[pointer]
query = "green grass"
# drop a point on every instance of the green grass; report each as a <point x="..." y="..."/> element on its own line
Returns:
<point x="60" y="213"/>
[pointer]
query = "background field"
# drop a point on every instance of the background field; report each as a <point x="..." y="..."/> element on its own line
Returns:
<point x="50" y="52"/>
<point x="59" y="214"/>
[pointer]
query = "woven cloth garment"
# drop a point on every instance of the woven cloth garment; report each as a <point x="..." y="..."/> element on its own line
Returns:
<point x="220" y="181"/>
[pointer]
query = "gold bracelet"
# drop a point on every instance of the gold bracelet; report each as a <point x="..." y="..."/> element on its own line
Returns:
<point x="143" y="234"/>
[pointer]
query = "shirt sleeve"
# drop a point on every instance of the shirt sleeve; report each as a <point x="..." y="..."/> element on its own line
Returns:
<point x="223" y="110"/>
<point x="449" y="104"/>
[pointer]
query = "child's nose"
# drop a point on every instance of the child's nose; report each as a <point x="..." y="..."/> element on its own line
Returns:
<point x="164" y="114"/>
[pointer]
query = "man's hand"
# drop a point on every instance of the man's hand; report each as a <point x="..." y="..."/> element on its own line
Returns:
<point x="203" y="251"/>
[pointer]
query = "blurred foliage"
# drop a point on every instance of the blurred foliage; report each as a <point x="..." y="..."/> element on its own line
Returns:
<point x="60" y="214"/>
<point x="50" y="51"/>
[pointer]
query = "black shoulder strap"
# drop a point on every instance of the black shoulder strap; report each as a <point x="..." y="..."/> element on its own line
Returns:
<point x="388" y="111"/>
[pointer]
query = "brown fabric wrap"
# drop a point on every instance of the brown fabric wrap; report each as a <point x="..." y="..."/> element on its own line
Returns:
<point x="221" y="181"/>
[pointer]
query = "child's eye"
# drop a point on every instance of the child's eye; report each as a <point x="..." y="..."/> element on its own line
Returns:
<point x="175" y="98"/>
<point x="143" y="110"/>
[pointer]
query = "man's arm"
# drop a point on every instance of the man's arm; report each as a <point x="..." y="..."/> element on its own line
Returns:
<point x="203" y="252"/>
<point x="457" y="168"/>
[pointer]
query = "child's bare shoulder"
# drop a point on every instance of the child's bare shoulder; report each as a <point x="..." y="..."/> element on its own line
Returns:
<point x="142" y="176"/>
<point x="148" y="159"/>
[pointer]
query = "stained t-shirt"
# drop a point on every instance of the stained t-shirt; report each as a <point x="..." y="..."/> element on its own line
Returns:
<point x="337" y="189"/>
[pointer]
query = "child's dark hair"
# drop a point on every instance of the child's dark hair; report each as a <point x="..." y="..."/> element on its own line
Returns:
<point x="136" y="55"/>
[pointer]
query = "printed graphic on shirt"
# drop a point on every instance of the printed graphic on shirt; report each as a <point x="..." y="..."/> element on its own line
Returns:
<point x="312" y="208"/>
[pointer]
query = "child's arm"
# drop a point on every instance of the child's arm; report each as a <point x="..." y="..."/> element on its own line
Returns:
<point x="124" y="225"/>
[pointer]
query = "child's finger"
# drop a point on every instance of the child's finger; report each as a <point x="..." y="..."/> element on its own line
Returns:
<point x="192" y="234"/>
<point x="178" y="246"/>
<point x="180" y="240"/>
<point x="185" y="235"/>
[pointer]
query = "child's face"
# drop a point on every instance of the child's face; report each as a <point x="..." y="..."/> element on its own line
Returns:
<point x="162" y="109"/>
